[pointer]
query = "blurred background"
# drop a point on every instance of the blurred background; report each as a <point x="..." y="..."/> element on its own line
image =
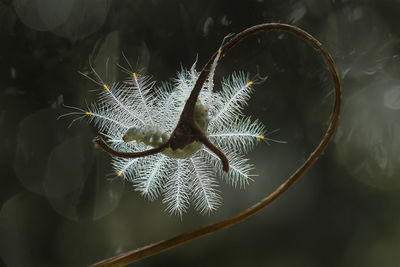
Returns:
<point x="60" y="204"/>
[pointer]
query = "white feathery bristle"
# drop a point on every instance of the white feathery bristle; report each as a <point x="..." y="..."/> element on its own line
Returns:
<point x="138" y="103"/>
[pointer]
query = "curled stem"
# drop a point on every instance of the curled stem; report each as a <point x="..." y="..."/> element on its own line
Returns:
<point x="98" y="140"/>
<point x="163" y="245"/>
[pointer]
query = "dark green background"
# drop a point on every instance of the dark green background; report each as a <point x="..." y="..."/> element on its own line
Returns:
<point x="59" y="206"/>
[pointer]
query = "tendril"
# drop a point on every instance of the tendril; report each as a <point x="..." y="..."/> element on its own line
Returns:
<point x="186" y="125"/>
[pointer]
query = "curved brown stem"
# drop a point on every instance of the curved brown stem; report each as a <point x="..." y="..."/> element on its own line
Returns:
<point x="217" y="151"/>
<point x="160" y="246"/>
<point x="98" y="140"/>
